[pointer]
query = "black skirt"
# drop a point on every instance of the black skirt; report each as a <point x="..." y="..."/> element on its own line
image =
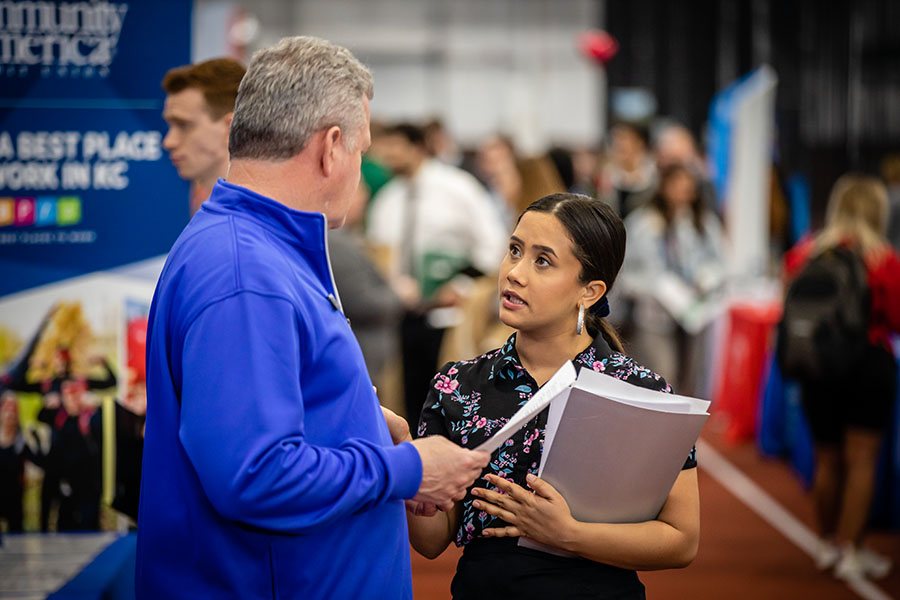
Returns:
<point x="499" y="568"/>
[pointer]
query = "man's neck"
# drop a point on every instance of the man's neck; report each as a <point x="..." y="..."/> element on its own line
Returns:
<point x="416" y="167"/>
<point x="209" y="181"/>
<point x="280" y="181"/>
<point x="543" y="353"/>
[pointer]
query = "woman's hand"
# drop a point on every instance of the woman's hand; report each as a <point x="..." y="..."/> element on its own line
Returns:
<point x="543" y="516"/>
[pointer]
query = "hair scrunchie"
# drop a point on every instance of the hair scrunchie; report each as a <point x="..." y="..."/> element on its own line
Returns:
<point x="601" y="308"/>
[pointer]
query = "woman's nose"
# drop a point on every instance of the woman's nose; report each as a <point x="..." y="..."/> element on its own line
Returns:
<point x="516" y="274"/>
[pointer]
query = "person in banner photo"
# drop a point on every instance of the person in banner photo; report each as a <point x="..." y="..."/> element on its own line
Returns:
<point x="14" y="451"/>
<point x="563" y="259"/>
<point x="198" y="110"/>
<point x="268" y="464"/>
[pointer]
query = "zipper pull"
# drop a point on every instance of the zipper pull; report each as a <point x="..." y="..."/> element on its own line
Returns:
<point x="334" y="302"/>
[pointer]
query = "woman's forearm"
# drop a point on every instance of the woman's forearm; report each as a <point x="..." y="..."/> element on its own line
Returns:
<point x="430" y="536"/>
<point x="668" y="542"/>
<point x="640" y="546"/>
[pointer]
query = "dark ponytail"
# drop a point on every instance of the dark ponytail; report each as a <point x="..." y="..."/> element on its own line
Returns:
<point x="598" y="239"/>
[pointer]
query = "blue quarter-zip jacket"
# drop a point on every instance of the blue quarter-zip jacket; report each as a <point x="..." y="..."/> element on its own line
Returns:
<point x="268" y="468"/>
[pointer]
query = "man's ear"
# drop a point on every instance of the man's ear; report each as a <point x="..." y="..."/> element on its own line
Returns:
<point x="228" y="117"/>
<point x="593" y="291"/>
<point x="330" y="149"/>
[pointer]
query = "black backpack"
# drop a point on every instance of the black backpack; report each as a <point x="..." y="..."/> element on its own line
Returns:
<point x="826" y="317"/>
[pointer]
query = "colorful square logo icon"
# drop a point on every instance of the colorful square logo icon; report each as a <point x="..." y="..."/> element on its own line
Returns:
<point x="68" y="210"/>
<point x="7" y="211"/>
<point x="24" y="212"/>
<point x="46" y="211"/>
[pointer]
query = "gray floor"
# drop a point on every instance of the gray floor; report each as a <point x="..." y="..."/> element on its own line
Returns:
<point x="33" y="565"/>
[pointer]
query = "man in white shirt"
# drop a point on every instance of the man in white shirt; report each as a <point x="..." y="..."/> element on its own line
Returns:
<point x="437" y="227"/>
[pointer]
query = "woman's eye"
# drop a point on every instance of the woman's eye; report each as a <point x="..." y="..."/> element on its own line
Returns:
<point x="542" y="262"/>
<point x="514" y="251"/>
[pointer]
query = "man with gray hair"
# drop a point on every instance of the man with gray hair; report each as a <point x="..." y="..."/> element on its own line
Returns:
<point x="269" y="470"/>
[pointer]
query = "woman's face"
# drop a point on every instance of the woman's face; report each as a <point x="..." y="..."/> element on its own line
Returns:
<point x="540" y="286"/>
<point x="679" y="190"/>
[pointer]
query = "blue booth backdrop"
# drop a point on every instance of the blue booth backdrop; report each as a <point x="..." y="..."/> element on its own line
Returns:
<point x="84" y="182"/>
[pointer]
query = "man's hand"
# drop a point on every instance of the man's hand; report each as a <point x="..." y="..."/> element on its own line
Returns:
<point x="447" y="470"/>
<point x="397" y="425"/>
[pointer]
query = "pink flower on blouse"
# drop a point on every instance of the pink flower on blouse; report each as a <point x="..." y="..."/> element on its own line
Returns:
<point x="446" y="385"/>
<point x="598" y="366"/>
<point x="452" y="371"/>
<point x="481" y="422"/>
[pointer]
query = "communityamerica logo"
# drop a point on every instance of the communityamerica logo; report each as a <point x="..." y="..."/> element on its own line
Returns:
<point x="62" y="39"/>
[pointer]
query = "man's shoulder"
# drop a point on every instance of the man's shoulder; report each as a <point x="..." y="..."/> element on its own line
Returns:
<point x="204" y="246"/>
<point x="390" y="192"/>
<point x="219" y="255"/>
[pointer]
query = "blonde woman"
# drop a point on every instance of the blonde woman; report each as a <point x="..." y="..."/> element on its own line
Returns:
<point x="848" y="415"/>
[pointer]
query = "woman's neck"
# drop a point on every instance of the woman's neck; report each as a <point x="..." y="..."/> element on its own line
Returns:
<point x="542" y="354"/>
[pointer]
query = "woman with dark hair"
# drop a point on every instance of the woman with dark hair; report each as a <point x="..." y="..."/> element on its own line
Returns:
<point x="674" y="261"/>
<point x="563" y="259"/>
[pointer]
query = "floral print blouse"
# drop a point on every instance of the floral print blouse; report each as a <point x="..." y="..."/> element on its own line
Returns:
<point x="470" y="400"/>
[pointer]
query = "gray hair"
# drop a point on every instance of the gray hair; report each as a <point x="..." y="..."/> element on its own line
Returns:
<point x="293" y="89"/>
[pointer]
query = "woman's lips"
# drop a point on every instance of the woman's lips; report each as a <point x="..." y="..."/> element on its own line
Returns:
<point x="512" y="301"/>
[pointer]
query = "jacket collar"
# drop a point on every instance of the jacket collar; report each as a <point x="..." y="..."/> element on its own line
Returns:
<point x="507" y="360"/>
<point x="303" y="229"/>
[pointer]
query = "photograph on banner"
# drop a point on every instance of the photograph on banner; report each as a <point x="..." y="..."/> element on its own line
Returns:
<point x="79" y="353"/>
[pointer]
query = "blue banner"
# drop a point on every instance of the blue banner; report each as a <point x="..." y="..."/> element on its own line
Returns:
<point x="84" y="182"/>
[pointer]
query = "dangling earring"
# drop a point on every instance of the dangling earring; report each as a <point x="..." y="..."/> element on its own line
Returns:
<point x="580" y="327"/>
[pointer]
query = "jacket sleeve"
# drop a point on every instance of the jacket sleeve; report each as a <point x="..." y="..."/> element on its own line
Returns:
<point x="242" y="426"/>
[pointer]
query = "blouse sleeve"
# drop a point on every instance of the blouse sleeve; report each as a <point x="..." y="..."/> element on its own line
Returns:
<point x="433" y="421"/>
